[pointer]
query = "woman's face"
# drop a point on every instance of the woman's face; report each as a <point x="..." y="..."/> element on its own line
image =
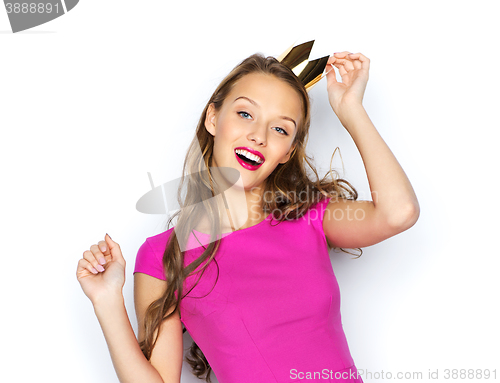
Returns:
<point x="255" y="127"/>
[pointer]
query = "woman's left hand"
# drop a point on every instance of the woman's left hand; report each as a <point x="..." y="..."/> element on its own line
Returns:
<point x="353" y="69"/>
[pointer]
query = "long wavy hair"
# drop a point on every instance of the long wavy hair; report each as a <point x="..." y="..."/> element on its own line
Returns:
<point x="297" y="177"/>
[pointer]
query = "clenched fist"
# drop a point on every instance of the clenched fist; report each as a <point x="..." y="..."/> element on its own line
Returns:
<point x="101" y="271"/>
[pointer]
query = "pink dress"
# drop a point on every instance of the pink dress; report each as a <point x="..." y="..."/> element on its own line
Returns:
<point x="269" y="309"/>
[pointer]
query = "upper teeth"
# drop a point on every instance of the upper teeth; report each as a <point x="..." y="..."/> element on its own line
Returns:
<point x="249" y="155"/>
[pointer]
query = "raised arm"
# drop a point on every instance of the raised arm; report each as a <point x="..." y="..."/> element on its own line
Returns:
<point x="394" y="207"/>
<point x="103" y="282"/>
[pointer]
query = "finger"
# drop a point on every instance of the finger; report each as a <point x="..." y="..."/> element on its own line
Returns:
<point x="84" y="265"/>
<point x="341" y="55"/>
<point x="90" y="257"/>
<point x="357" y="63"/>
<point x="347" y="64"/>
<point x="104" y="247"/>
<point x="340" y="67"/>
<point x="350" y="58"/>
<point x="331" y="77"/>
<point x="331" y="69"/>
<point x="98" y="254"/>
<point x="105" y="250"/>
<point x="344" y="66"/>
<point x="365" y="61"/>
<point x="115" y="249"/>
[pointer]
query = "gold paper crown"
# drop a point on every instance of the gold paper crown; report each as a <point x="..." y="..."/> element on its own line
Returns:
<point x="297" y="59"/>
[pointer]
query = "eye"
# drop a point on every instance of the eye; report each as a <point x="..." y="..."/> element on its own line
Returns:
<point x="281" y="130"/>
<point x="244" y="114"/>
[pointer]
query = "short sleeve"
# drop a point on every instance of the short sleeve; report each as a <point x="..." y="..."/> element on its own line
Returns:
<point x="317" y="212"/>
<point x="148" y="262"/>
<point x="321" y="207"/>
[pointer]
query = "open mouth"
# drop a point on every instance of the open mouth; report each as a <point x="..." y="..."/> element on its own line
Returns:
<point x="249" y="160"/>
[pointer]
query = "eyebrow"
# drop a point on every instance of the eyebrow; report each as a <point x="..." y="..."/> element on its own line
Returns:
<point x="258" y="106"/>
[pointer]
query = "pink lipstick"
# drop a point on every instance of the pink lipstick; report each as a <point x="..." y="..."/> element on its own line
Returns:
<point x="248" y="158"/>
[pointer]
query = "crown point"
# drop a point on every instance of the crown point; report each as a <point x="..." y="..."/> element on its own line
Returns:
<point x="297" y="59"/>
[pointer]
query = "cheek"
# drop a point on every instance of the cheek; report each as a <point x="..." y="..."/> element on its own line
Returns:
<point x="218" y="150"/>
<point x="223" y="141"/>
<point x="281" y="150"/>
<point x="228" y="130"/>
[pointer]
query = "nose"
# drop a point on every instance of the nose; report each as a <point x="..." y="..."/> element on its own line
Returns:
<point x="258" y="135"/>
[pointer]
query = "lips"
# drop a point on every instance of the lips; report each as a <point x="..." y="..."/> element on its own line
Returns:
<point x="249" y="158"/>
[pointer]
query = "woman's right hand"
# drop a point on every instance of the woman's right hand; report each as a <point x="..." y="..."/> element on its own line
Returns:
<point x="101" y="273"/>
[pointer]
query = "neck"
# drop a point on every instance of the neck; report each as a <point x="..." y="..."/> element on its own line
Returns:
<point x="245" y="206"/>
<point x="240" y="208"/>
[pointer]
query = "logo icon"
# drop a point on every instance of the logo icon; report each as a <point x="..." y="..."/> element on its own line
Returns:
<point x="28" y="14"/>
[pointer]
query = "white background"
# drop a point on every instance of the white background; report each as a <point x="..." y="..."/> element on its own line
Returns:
<point x="92" y="101"/>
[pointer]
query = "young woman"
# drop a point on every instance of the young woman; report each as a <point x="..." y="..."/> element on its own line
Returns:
<point x="246" y="269"/>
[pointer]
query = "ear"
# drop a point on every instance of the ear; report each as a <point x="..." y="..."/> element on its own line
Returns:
<point x="288" y="155"/>
<point x="210" y="119"/>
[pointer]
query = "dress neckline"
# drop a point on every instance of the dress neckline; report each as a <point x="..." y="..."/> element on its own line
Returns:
<point x="240" y="230"/>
